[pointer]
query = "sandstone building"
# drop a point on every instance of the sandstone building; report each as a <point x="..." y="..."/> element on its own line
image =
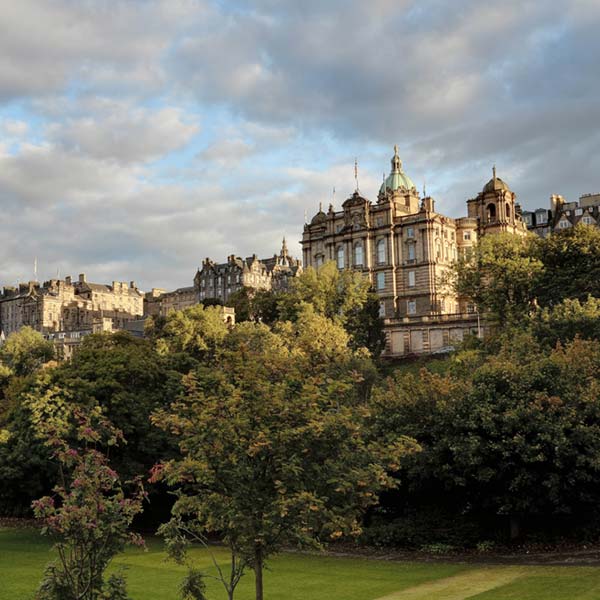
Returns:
<point x="58" y="307"/>
<point x="404" y="246"/>
<point x="217" y="281"/>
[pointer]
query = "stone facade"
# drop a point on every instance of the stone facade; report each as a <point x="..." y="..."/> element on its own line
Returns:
<point x="219" y="281"/>
<point x="64" y="306"/>
<point x="405" y="247"/>
<point x="563" y="215"/>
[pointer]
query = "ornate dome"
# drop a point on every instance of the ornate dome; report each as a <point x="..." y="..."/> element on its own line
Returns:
<point x="495" y="184"/>
<point x="320" y="217"/>
<point x="397" y="179"/>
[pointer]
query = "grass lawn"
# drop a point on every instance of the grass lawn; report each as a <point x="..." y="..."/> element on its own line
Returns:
<point x="23" y="554"/>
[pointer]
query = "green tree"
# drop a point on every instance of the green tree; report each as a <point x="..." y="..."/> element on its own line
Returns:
<point x="190" y="335"/>
<point x="563" y="322"/>
<point x="571" y="260"/>
<point x="25" y="351"/>
<point x="517" y="436"/>
<point x="89" y="514"/>
<point x="276" y="447"/>
<point x="343" y="296"/>
<point x="501" y="276"/>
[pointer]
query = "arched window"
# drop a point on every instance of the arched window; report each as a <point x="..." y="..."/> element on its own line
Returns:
<point x="491" y="212"/>
<point x="507" y="210"/>
<point x="340" y="257"/>
<point x="358" y="255"/>
<point x="381" y="258"/>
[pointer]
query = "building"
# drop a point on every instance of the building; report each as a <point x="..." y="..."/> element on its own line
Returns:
<point x="563" y="215"/>
<point x="60" y="306"/>
<point x="405" y="247"/>
<point x="219" y="281"/>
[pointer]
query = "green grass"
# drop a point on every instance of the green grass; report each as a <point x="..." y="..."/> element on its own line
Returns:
<point x="24" y="553"/>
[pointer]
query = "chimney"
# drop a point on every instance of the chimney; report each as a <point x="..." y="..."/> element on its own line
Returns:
<point x="429" y="204"/>
<point x="82" y="278"/>
<point x="132" y="285"/>
<point x="68" y="280"/>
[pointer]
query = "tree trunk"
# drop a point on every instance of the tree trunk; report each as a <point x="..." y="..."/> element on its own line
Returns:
<point x="258" y="572"/>
<point x="515" y="527"/>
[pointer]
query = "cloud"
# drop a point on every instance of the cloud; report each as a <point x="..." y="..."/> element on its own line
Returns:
<point x="138" y="137"/>
<point x="125" y="133"/>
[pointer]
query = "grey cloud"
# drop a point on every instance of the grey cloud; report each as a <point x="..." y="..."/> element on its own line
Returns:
<point x="125" y="133"/>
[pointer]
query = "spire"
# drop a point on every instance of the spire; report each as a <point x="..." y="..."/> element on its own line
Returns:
<point x="396" y="162"/>
<point x="494" y="171"/>
<point x="320" y="207"/>
<point x="284" y="249"/>
<point x="424" y="189"/>
<point x="356" y="173"/>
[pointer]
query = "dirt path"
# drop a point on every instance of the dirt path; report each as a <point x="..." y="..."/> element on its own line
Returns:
<point x="460" y="586"/>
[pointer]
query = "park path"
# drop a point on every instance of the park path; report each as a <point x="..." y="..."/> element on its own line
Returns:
<point x="459" y="587"/>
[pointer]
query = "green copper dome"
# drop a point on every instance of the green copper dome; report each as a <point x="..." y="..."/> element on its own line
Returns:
<point x="397" y="179"/>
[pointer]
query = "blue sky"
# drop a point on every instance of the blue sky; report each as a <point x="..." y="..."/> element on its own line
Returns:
<point x="137" y="138"/>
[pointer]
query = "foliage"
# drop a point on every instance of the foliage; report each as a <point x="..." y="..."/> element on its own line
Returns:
<point x="500" y="276"/>
<point x="89" y="514"/>
<point x="24" y="352"/>
<point x="189" y="336"/>
<point x="517" y="435"/>
<point x="571" y="260"/>
<point x="365" y="325"/>
<point x="566" y="320"/>
<point x="255" y="305"/>
<point x="343" y="296"/>
<point x="117" y="372"/>
<point x="276" y="444"/>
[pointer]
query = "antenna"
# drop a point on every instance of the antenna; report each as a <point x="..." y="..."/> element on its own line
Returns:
<point x="333" y="196"/>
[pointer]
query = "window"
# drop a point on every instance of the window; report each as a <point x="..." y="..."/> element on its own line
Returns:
<point x="411" y="279"/>
<point x="379" y="221"/>
<point x="319" y="260"/>
<point x="382" y="309"/>
<point x="467" y="235"/>
<point x="410" y="232"/>
<point x="587" y="220"/>
<point x="340" y="257"/>
<point x="381" y="252"/>
<point x="564" y="224"/>
<point x="358" y="255"/>
<point x="411" y="307"/>
<point x="507" y="210"/>
<point x="491" y="212"/>
<point x="578" y="212"/>
<point x="411" y="252"/>
<point x="338" y="228"/>
<point x="380" y="281"/>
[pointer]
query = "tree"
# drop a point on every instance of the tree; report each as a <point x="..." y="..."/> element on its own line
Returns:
<point x="189" y="335"/>
<point x="517" y="436"/>
<point x="343" y="296"/>
<point x="89" y="514"/>
<point x="275" y="442"/>
<point x="571" y="260"/>
<point x="567" y="320"/>
<point x="25" y="351"/>
<point x="365" y="325"/>
<point x="500" y="276"/>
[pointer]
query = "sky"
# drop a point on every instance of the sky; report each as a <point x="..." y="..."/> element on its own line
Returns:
<point x="139" y="137"/>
